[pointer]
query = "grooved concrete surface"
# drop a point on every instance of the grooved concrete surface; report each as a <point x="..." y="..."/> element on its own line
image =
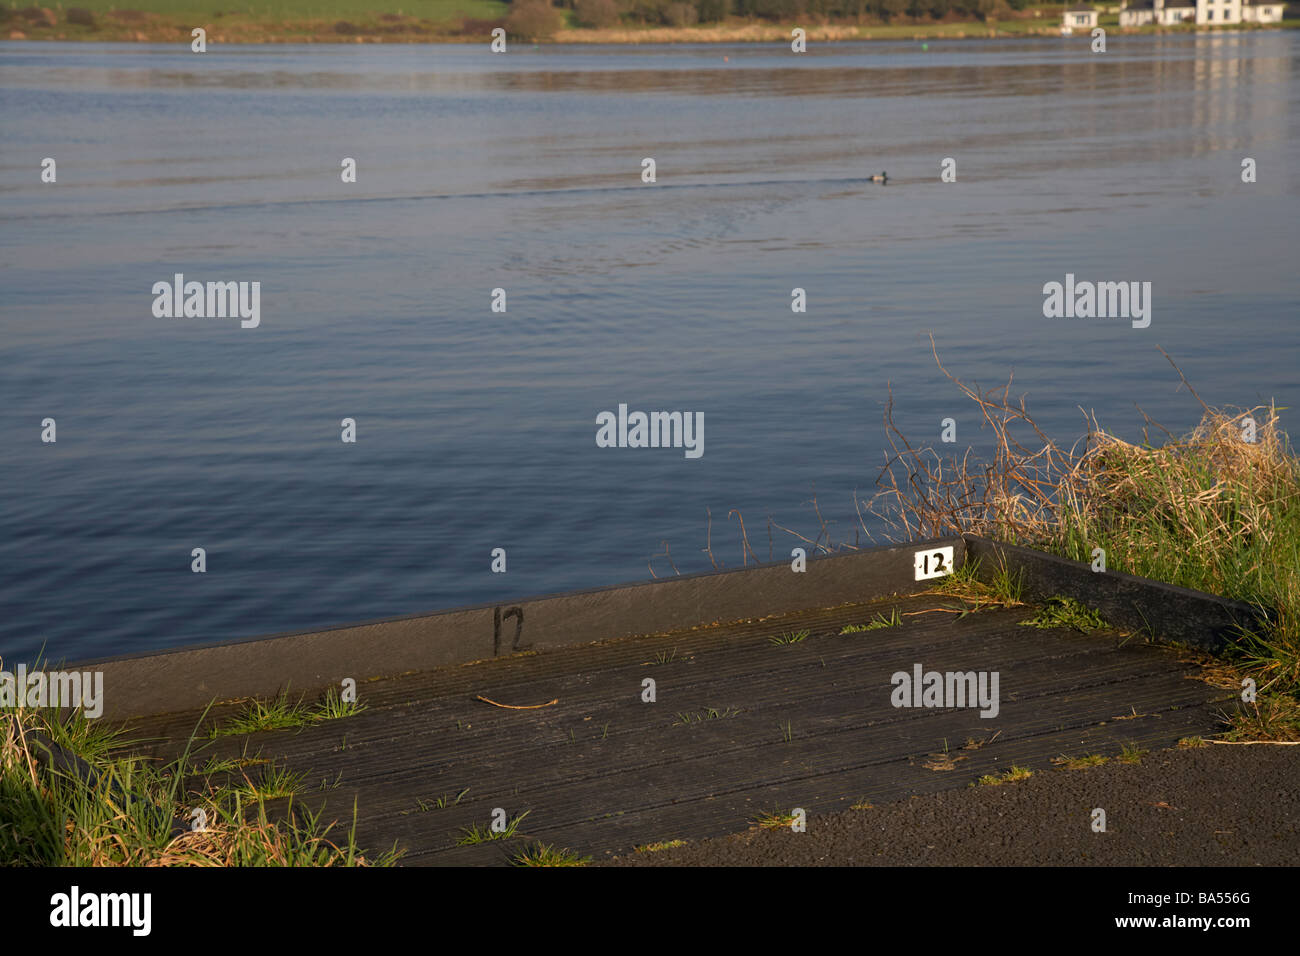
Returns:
<point x="1217" y="805"/>
<point x="740" y="726"/>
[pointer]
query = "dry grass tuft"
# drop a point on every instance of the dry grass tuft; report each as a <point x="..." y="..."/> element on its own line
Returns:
<point x="1217" y="510"/>
<point x="66" y="800"/>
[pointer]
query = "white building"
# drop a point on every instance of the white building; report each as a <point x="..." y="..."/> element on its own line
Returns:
<point x="1262" y="11"/>
<point x="1079" y="16"/>
<point x="1218" y="11"/>
<point x="1136" y="13"/>
<point x="1169" y="12"/>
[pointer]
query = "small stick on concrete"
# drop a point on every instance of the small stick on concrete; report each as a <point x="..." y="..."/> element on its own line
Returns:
<point x="1251" y="743"/>
<point x="517" y="706"/>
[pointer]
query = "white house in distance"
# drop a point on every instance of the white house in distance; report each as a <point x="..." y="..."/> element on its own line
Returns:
<point x="1136" y="13"/>
<point x="1262" y="11"/>
<point x="1080" y="15"/>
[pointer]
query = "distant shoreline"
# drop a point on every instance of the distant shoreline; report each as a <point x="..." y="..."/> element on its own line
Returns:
<point x="127" y="26"/>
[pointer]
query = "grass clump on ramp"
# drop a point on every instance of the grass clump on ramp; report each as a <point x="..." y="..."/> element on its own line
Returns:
<point x="280" y="713"/>
<point x="66" y="799"/>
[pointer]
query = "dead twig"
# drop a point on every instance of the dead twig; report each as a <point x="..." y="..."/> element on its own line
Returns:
<point x="1251" y="743"/>
<point x="1184" y="378"/>
<point x="797" y="535"/>
<point x="668" y="554"/>
<point x="517" y="706"/>
<point x="744" y="538"/>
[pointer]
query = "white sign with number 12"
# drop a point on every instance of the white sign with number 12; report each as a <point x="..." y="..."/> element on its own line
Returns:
<point x="934" y="563"/>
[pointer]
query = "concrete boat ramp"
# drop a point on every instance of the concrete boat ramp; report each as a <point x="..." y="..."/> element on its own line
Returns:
<point x="740" y="726"/>
<point x="609" y="738"/>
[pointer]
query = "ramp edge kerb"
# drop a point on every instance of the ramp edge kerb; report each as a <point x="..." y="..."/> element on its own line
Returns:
<point x="190" y="678"/>
<point x="1168" y="613"/>
<point x="875" y="551"/>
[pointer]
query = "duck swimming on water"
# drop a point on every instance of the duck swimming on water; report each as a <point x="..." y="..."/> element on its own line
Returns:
<point x="881" y="178"/>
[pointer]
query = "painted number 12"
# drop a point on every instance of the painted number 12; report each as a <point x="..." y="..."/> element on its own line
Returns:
<point x="934" y="563"/>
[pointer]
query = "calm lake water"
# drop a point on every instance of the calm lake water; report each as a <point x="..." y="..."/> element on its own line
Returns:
<point x="477" y="429"/>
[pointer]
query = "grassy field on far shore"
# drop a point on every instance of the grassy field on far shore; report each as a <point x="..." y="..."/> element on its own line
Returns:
<point x="436" y="10"/>
<point x="452" y="21"/>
